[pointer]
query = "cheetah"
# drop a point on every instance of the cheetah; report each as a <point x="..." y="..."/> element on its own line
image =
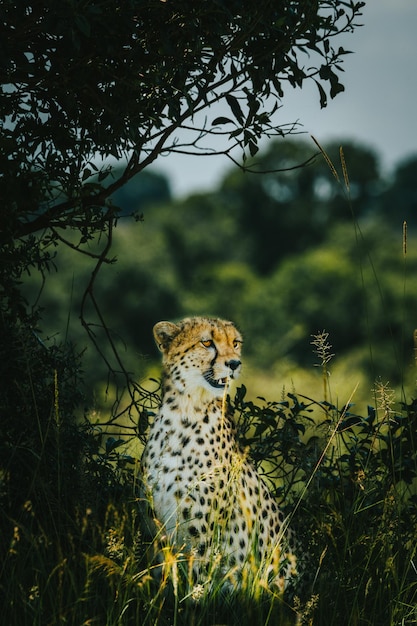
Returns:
<point x="205" y="492"/>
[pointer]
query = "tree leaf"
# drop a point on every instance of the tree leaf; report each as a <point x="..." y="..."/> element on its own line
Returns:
<point x="222" y="120"/>
<point x="336" y="88"/>
<point x="253" y="148"/>
<point x="233" y="103"/>
<point x="323" y="96"/>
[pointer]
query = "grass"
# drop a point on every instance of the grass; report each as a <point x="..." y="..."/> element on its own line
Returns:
<point x="52" y="583"/>
<point x="349" y="484"/>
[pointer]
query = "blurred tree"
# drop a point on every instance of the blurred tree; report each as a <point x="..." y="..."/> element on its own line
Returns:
<point x="132" y="293"/>
<point x="192" y="257"/>
<point x="287" y="211"/>
<point x="223" y="290"/>
<point x="399" y="202"/>
<point x="199" y="231"/>
<point x="353" y="285"/>
<point x="140" y="192"/>
<point x="307" y="293"/>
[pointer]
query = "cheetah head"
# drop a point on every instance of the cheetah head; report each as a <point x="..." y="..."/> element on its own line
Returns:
<point x="200" y="353"/>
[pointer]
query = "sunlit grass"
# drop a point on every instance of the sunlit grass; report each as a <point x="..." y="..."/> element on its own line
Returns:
<point x="357" y="509"/>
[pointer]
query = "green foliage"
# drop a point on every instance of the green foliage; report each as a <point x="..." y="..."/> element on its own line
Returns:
<point x="347" y="482"/>
<point x="353" y="286"/>
<point x="40" y="452"/>
<point x="98" y="80"/>
<point x="40" y="445"/>
<point x="401" y="193"/>
<point x="290" y="208"/>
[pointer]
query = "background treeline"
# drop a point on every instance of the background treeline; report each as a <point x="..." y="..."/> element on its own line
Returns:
<point x="285" y="254"/>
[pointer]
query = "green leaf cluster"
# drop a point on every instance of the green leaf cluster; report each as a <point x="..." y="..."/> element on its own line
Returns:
<point x="89" y="83"/>
<point x="348" y="482"/>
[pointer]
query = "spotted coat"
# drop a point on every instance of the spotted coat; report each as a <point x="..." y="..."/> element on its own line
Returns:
<point x="205" y="491"/>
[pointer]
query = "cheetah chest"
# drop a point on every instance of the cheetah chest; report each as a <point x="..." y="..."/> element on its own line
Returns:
<point x="205" y="492"/>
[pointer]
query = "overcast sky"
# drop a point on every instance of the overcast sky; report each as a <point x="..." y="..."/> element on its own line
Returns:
<point x="379" y="106"/>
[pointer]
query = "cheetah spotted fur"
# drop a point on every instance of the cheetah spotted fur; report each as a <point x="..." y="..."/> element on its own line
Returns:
<point x="205" y="492"/>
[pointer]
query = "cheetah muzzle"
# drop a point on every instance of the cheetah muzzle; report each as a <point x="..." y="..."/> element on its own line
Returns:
<point x="206" y="493"/>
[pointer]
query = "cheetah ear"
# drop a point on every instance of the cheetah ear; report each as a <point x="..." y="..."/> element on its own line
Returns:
<point x="164" y="333"/>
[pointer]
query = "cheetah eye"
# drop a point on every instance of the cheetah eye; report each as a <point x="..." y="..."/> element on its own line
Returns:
<point x="207" y="343"/>
<point x="237" y="344"/>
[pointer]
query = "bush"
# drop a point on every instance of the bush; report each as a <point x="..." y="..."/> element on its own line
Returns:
<point x="348" y="484"/>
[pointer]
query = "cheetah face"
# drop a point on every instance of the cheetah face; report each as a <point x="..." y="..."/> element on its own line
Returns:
<point x="200" y="353"/>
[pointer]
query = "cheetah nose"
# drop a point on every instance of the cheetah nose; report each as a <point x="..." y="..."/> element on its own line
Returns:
<point x="233" y="364"/>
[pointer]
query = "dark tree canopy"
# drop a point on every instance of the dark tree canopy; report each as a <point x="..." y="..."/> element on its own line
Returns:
<point x="85" y="82"/>
<point x="288" y="209"/>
